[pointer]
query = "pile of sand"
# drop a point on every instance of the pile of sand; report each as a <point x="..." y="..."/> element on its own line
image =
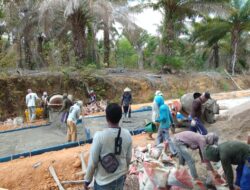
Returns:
<point x="236" y="124"/>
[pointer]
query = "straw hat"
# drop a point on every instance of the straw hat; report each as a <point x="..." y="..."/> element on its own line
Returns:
<point x="127" y="89"/>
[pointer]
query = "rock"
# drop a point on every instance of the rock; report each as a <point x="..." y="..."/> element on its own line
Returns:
<point x="77" y="164"/>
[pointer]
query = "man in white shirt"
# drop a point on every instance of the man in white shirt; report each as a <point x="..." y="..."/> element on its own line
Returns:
<point x="75" y="113"/>
<point x="104" y="144"/>
<point x="31" y="98"/>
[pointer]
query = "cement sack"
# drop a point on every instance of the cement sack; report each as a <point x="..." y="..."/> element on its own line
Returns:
<point x="155" y="152"/>
<point x="180" y="178"/>
<point x="215" y="181"/>
<point x="144" y="182"/>
<point x="157" y="174"/>
<point x="18" y="121"/>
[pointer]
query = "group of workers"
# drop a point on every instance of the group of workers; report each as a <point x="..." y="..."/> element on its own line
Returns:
<point x="31" y="99"/>
<point x="197" y="137"/>
<point x="111" y="150"/>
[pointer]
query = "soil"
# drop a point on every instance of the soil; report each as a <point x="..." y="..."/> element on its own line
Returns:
<point x="21" y="174"/>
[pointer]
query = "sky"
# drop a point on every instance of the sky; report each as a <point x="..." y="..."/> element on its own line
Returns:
<point x="149" y="20"/>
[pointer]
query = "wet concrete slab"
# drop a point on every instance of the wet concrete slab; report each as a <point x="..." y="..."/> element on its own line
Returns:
<point x="55" y="134"/>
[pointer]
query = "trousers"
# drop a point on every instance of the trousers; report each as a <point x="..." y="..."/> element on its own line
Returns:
<point x="71" y="131"/>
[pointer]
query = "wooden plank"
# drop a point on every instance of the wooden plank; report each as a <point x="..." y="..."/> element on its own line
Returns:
<point x="81" y="173"/>
<point x="73" y="182"/>
<point x="53" y="173"/>
<point x="84" y="167"/>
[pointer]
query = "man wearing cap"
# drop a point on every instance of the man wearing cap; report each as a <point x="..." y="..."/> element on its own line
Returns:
<point x="196" y="113"/>
<point x="126" y="102"/>
<point x="75" y="113"/>
<point x="188" y="139"/>
<point x="67" y="103"/>
<point x="232" y="153"/>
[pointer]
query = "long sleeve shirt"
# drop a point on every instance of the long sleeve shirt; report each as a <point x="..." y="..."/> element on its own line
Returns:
<point x="66" y="105"/>
<point x="196" y="111"/>
<point x="165" y="119"/>
<point x="103" y="144"/>
<point x="193" y="141"/>
<point x="232" y="153"/>
<point x="31" y="99"/>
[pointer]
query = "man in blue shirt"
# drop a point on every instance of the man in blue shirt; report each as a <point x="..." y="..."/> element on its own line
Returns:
<point x="166" y="121"/>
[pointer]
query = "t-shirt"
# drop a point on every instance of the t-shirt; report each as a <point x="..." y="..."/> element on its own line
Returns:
<point x="74" y="113"/>
<point x="31" y="99"/>
<point x="103" y="144"/>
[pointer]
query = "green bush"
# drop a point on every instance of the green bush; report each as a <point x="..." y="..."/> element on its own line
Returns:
<point x="175" y="62"/>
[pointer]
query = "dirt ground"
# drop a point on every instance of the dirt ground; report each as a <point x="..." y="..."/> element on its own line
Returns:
<point x="21" y="174"/>
<point x="32" y="173"/>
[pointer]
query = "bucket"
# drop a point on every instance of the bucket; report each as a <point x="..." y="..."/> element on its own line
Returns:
<point x="150" y="127"/>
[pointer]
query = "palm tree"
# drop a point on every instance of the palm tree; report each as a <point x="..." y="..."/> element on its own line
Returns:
<point x="174" y="13"/>
<point x="235" y="23"/>
<point x="22" y="18"/>
<point x="76" y="13"/>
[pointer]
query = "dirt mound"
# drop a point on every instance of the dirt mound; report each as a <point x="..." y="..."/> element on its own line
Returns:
<point x="33" y="173"/>
<point x="109" y="86"/>
<point x="236" y="124"/>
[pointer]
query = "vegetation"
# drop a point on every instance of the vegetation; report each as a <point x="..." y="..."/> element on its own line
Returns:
<point x="194" y="34"/>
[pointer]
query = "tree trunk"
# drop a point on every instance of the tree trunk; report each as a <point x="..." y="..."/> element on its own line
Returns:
<point x="106" y="42"/>
<point x="27" y="53"/>
<point x="140" y="59"/>
<point x="40" y="44"/>
<point x="235" y="41"/>
<point x="168" y="35"/>
<point x="20" y="60"/>
<point x="216" y="55"/>
<point x="79" y="38"/>
<point x="40" y="40"/>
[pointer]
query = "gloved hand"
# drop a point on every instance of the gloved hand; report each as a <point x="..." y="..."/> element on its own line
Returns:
<point x="193" y="123"/>
<point x="86" y="184"/>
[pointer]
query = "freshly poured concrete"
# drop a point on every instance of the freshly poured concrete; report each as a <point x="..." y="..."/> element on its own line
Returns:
<point x="55" y="134"/>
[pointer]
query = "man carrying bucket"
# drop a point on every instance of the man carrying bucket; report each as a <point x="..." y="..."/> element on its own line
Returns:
<point x="151" y="127"/>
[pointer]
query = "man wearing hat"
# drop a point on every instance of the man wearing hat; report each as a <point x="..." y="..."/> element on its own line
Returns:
<point x="196" y="113"/>
<point x="232" y="153"/>
<point x="187" y="139"/>
<point x="126" y="102"/>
